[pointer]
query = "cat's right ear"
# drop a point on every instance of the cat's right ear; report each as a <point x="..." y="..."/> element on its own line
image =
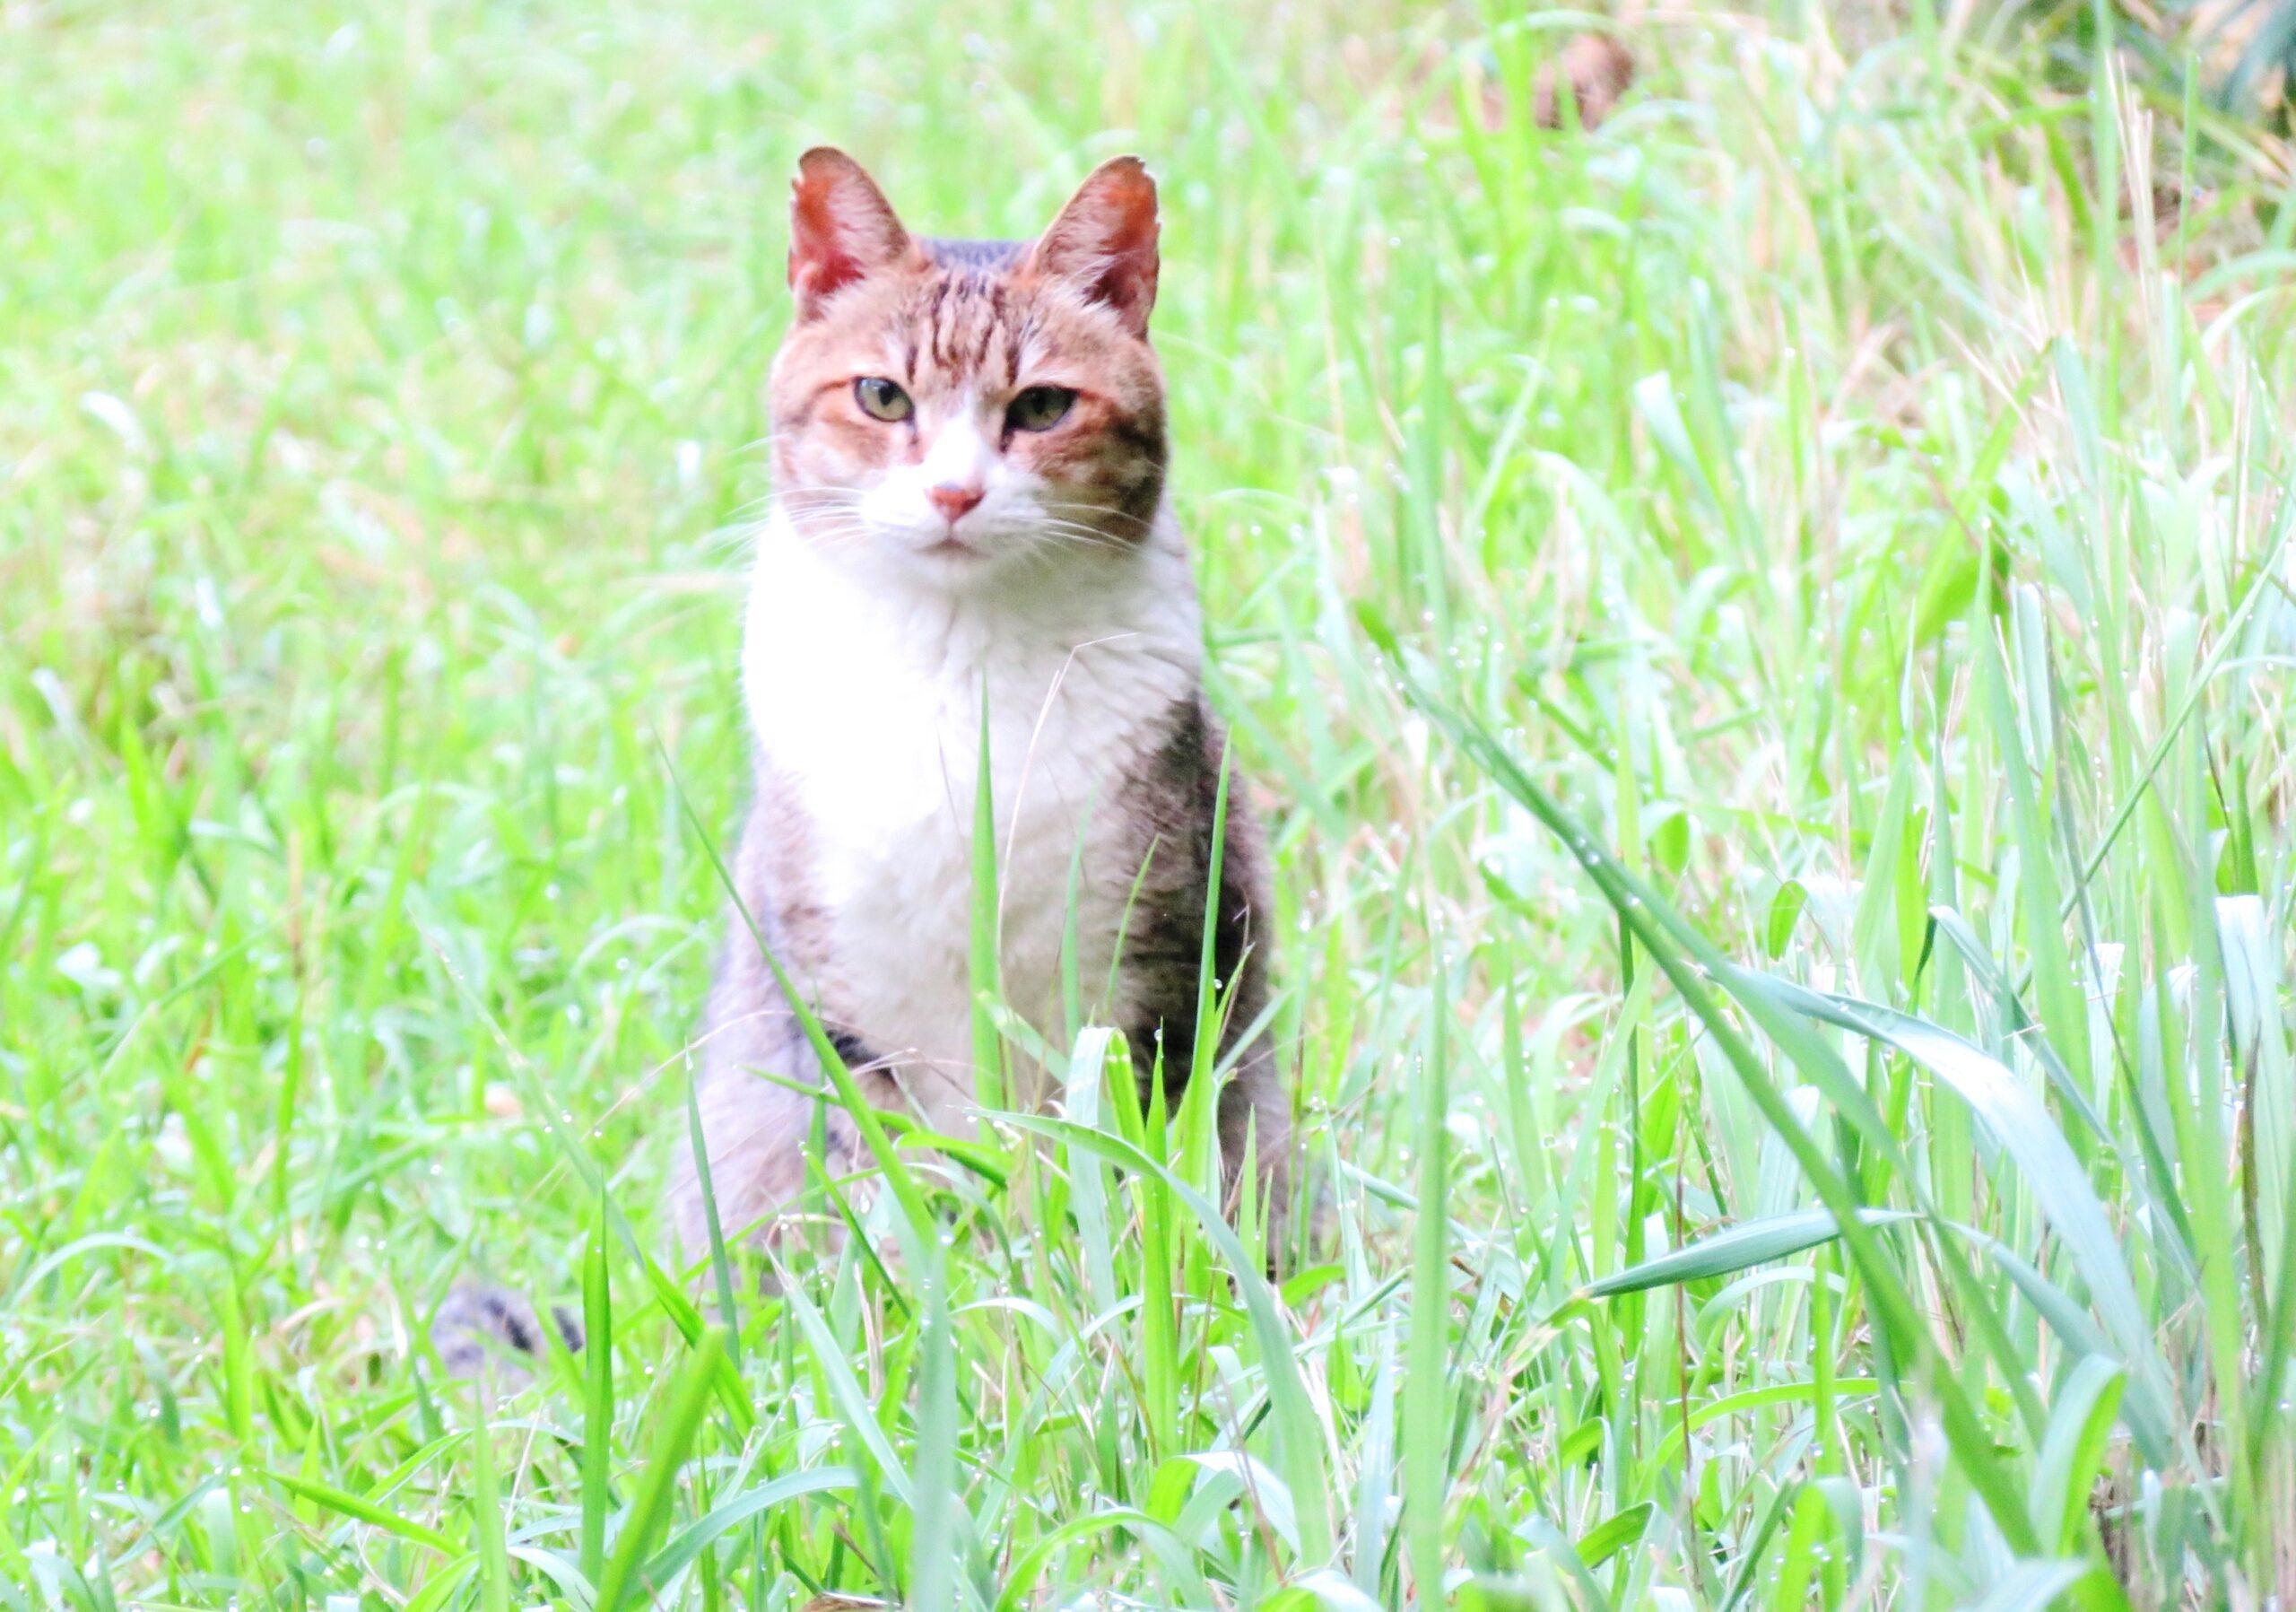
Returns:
<point x="841" y="229"/>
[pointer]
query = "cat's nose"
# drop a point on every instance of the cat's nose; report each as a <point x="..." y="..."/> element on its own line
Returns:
<point x="953" y="500"/>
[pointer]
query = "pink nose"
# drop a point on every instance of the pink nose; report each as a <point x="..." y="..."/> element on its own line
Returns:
<point x="953" y="500"/>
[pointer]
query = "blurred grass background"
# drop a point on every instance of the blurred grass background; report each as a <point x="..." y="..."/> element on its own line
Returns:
<point x="1763" y="629"/>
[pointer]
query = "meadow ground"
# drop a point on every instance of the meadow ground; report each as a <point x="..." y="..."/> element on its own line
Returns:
<point x="1765" y="631"/>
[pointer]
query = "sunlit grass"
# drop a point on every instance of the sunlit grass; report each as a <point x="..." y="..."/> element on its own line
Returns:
<point x="1763" y="632"/>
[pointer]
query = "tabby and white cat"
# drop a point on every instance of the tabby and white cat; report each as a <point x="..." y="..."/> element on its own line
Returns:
<point x="969" y="456"/>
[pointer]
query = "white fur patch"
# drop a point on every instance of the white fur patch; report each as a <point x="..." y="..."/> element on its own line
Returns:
<point x="864" y="674"/>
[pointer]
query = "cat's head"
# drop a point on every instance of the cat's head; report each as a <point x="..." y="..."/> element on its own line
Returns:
<point x="944" y="410"/>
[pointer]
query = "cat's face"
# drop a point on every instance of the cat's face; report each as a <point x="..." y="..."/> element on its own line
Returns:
<point x="945" y="411"/>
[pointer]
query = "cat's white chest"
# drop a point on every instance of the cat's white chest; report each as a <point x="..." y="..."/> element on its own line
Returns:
<point x="868" y="707"/>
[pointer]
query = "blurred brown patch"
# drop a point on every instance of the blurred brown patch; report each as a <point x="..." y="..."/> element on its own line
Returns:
<point x="2156" y="221"/>
<point x="1593" y="70"/>
<point x="1596" y="70"/>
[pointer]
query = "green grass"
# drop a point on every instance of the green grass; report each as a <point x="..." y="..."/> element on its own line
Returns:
<point x="1764" y="633"/>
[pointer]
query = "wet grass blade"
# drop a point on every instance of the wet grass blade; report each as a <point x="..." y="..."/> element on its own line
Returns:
<point x="721" y="1267"/>
<point x="1689" y="961"/>
<point x="2073" y="1455"/>
<point x="1427" y="1386"/>
<point x="1756" y="1242"/>
<point x="486" y="1512"/>
<point x="1087" y="1188"/>
<point x="624" y="1582"/>
<point x="2017" y="1119"/>
<point x="1298" y="1437"/>
<point x="365" y="1510"/>
<point x="597" y="1398"/>
<point x="681" y="1551"/>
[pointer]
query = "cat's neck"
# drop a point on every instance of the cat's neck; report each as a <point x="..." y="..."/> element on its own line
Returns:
<point x="1135" y="601"/>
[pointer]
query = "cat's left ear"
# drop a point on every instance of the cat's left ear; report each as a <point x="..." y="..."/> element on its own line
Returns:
<point x="1104" y="241"/>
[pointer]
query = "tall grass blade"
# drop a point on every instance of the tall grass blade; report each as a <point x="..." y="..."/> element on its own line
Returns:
<point x="597" y="1398"/>
<point x="1427" y="1395"/>
<point x="2017" y="1119"/>
<point x="681" y="1551"/>
<point x="1687" y="960"/>
<point x="486" y="1511"/>
<point x="1299" y="1441"/>
<point x="2072" y="1454"/>
<point x="624" y="1582"/>
<point x="721" y="1267"/>
<point x="1756" y="1242"/>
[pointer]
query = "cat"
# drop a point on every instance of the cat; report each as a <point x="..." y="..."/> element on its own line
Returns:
<point x="969" y="459"/>
<point x="968" y="455"/>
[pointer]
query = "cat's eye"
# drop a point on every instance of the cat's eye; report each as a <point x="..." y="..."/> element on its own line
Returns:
<point x="881" y="399"/>
<point x="1038" y="408"/>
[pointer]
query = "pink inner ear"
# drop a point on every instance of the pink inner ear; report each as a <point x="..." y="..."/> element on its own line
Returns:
<point x="840" y="229"/>
<point x="1104" y="241"/>
<point x="819" y="262"/>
